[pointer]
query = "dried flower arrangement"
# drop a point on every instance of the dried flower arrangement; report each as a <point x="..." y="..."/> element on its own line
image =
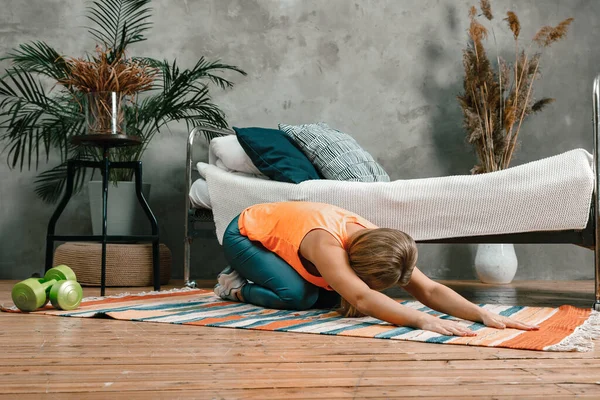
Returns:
<point x="109" y="80"/>
<point x="101" y="74"/>
<point x="496" y="101"/>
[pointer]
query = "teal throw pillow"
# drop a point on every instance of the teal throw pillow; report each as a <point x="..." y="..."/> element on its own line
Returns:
<point x="275" y="155"/>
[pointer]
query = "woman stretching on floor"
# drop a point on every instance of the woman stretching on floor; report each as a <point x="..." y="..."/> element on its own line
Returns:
<point x="301" y="255"/>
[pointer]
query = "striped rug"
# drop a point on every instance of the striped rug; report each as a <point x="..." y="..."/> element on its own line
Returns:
<point x="565" y="328"/>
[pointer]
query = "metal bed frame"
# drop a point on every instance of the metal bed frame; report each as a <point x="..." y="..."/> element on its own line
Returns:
<point x="199" y="222"/>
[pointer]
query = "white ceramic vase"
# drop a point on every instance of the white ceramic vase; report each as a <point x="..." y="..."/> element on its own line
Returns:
<point x="496" y="263"/>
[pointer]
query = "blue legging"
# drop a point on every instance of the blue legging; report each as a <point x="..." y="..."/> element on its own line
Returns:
<point x="275" y="284"/>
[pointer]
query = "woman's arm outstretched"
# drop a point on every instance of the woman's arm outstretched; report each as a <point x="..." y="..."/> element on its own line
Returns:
<point x="443" y="299"/>
<point x="331" y="260"/>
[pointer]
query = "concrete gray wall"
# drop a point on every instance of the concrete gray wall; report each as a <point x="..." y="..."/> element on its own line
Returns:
<point x="385" y="71"/>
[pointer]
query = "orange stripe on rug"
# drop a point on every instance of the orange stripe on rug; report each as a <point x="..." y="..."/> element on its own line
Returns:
<point x="493" y="337"/>
<point x="281" y="324"/>
<point x="552" y="331"/>
<point x="368" y="331"/>
<point x="110" y="300"/>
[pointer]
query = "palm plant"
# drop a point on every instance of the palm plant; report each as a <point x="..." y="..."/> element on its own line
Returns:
<point x="37" y="122"/>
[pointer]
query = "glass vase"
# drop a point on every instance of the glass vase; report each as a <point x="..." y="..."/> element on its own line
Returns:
<point x="105" y="113"/>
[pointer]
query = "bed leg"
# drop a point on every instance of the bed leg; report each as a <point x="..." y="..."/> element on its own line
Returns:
<point x="186" y="263"/>
<point x="187" y="239"/>
<point x="209" y="132"/>
<point x="596" y="305"/>
<point x="596" y="197"/>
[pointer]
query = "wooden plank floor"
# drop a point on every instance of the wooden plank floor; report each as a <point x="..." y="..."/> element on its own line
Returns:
<point x="73" y="358"/>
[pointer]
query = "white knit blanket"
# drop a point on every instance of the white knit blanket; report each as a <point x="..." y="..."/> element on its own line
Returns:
<point x="546" y="195"/>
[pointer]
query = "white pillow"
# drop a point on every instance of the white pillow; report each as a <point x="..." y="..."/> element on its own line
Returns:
<point x="226" y="153"/>
<point x="199" y="196"/>
<point x="202" y="166"/>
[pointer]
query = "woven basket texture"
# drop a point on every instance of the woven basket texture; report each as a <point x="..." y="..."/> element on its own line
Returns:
<point x="126" y="264"/>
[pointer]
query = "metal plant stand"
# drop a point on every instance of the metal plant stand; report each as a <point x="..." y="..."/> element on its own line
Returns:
<point x="106" y="142"/>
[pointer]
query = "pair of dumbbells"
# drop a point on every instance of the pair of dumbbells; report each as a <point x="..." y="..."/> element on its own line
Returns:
<point x="59" y="286"/>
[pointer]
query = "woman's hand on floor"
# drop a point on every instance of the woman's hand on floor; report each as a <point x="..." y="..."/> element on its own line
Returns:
<point x="445" y="327"/>
<point x="498" y="321"/>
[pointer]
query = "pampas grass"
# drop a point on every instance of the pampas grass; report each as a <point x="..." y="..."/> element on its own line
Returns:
<point x="496" y="99"/>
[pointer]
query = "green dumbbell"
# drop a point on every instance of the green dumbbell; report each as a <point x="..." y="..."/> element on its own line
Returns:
<point x="60" y="273"/>
<point x="66" y="295"/>
<point x="58" y="285"/>
<point x="31" y="293"/>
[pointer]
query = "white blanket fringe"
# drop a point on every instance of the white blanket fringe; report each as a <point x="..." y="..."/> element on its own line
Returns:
<point x="550" y="194"/>
<point x="581" y="338"/>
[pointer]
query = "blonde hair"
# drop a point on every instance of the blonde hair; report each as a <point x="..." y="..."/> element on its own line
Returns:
<point x="382" y="258"/>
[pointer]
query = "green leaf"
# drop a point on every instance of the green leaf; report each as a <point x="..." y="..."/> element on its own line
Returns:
<point x="40" y="58"/>
<point x="32" y="121"/>
<point x="119" y="23"/>
<point x="51" y="183"/>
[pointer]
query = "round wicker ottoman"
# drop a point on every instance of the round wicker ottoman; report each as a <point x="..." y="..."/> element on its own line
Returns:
<point x="126" y="264"/>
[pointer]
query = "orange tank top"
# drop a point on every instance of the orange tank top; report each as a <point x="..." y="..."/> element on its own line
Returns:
<point x="281" y="227"/>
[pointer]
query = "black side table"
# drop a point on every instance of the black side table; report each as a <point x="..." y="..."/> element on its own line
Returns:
<point x="106" y="142"/>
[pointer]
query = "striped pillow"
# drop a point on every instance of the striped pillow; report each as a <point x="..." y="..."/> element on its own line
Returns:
<point x="335" y="154"/>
